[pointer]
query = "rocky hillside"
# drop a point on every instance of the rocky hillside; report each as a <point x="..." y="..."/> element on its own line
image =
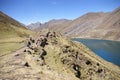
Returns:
<point x="50" y="56"/>
<point x="98" y="25"/>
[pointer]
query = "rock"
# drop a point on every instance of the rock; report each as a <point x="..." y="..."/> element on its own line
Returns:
<point x="42" y="62"/>
<point x="78" y="74"/>
<point x="99" y="70"/>
<point x="47" y="35"/>
<point x="32" y="40"/>
<point x="25" y="64"/>
<point x="17" y="54"/>
<point x="43" y="42"/>
<point x="88" y="62"/>
<point x="66" y="46"/>
<point x="29" y="52"/>
<point x="28" y="44"/>
<point x="25" y="50"/>
<point x="35" y="49"/>
<point x="75" y="67"/>
<point x="98" y="64"/>
<point x="43" y="54"/>
<point x="36" y="59"/>
<point x="76" y="70"/>
<point x="54" y="34"/>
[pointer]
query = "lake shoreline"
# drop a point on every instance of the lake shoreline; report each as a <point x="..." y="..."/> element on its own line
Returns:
<point x="106" y="49"/>
<point x="94" y="39"/>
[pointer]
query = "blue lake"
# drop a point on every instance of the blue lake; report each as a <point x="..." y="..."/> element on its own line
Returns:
<point x="108" y="50"/>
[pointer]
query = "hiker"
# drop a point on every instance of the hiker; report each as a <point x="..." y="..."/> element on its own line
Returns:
<point x="32" y="40"/>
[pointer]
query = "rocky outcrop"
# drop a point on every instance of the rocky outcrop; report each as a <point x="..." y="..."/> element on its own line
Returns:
<point x="62" y="55"/>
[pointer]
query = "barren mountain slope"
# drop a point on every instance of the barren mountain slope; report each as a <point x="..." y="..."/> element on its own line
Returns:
<point x="108" y="29"/>
<point x="84" y="24"/>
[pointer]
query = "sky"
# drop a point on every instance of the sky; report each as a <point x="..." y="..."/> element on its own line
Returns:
<point x="31" y="11"/>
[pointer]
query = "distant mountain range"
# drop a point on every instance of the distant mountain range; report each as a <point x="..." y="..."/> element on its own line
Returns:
<point x="97" y="25"/>
<point x="33" y="26"/>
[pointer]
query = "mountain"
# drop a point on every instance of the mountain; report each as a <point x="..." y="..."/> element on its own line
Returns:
<point x="97" y="25"/>
<point x="109" y="28"/>
<point x="84" y="24"/>
<point x="56" y="24"/>
<point x="51" y="56"/>
<point x="74" y="28"/>
<point x="11" y="33"/>
<point x="33" y="26"/>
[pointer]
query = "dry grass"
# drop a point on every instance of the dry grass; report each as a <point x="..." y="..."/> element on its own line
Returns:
<point x="6" y="48"/>
<point x="8" y="45"/>
<point x="12" y="38"/>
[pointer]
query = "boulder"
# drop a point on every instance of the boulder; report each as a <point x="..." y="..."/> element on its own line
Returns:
<point x="26" y="64"/>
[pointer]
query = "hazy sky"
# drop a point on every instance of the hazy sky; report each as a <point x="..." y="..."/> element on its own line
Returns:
<point x="28" y="11"/>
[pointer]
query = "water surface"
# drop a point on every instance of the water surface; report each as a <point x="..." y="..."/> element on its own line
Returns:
<point x="108" y="50"/>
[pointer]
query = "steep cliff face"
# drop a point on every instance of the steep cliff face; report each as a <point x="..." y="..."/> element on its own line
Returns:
<point x="50" y="56"/>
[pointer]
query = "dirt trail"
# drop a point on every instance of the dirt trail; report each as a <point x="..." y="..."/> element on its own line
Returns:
<point x="11" y="67"/>
<point x="10" y="57"/>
